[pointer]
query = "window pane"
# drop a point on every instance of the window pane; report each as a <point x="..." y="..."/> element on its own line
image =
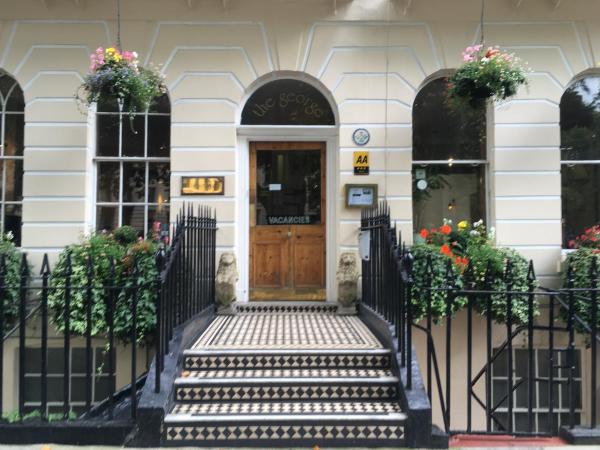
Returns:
<point x="102" y="360"/>
<point x="523" y="395"/>
<point x="157" y="214"/>
<point x="108" y="105"/>
<point x="78" y="388"/>
<point x="107" y="218"/>
<point x="12" y="94"/>
<point x="544" y="394"/>
<point x="14" y="180"/>
<point x="447" y="192"/>
<point x="78" y="360"/>
<point x="159" y="183"/>
<point x="500" y="388"/>
<point x="13" y="134"/>
<point x="108" y="182"/>
<point x="161" y="104"/>
<point x="580" y="199"/>
<point x="108" y="135"/>
<point x="33" y="360"/>
<point x="579" y="120"/>
<point x="288" y="187"/>
<point x="102" y="388"/>
<point x="33" y="389"/>
<point x="13" y="215"/>
<point x="134" y="182"/>
<point x="134" y="217"/>
<point x="500" y="364"/>
<point x="55" y="389"/>
<point x="133" y="136"/>
<point x="442" y="131"/>
<point x="159" y="136"/>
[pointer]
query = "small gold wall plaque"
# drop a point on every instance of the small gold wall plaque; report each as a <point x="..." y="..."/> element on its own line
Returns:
<point x="202" y="185"/>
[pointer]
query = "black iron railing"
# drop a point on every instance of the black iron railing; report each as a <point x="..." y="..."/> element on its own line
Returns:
<point x="55" y="323"/>
<point x="46" y="307"/>
<point x="186" y="285"/>
<point x="552" y="327"/>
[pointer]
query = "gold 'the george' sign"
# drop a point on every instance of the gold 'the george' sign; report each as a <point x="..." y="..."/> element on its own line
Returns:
<point x="202" y="185"/>
<point x="360" y="162"/>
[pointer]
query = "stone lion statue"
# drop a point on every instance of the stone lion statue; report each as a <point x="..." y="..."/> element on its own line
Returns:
<point x="226" y="279"/>
<point x="347" y="278"/>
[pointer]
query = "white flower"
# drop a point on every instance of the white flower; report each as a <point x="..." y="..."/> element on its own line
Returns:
<point x="474" y="233"/>
<point x="9" y="235"/>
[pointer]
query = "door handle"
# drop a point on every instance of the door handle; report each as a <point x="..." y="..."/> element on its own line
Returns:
<point x="289" y="234"/>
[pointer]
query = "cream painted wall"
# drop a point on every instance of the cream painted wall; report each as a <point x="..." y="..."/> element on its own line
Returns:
<point x="371" y="55"/>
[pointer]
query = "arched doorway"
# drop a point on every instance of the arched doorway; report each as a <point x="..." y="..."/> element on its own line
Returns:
<point x="287" y="123"/>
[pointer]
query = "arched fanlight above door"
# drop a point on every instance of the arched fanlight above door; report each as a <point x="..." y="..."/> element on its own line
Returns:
<point x="287" y="102"/>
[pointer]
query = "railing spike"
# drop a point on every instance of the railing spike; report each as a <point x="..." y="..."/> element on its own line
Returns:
<point x="531" y="271"/>
<point x="45" y="269"/>
<point x="24" y="265"/>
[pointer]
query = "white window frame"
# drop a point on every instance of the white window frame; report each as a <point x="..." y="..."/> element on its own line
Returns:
<point x="3" y="158"/>
<point x="121" y="159"/>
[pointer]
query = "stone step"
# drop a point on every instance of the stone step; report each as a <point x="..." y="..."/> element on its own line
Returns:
<point x="276" y="430"/>
<point x="190" y="389"/>
<point x="194" y="359"/>
<point x="287" y="373"/>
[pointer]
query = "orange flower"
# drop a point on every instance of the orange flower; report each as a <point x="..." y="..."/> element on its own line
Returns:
<point x="424" y="233"/>
<point x="445" y="250"/>
<point x="446" y="229"/>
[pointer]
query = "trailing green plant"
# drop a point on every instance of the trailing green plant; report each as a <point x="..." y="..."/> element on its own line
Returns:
<point x="465" y="258"/>
<point x="127" y="282"/>
<point x="587" y="250"/>
<point x="486" y="73"/>
<point x="12" y="279"/>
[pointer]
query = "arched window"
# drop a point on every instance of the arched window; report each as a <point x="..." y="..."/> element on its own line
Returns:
<point x="449" y="159"/>
<point x="12" y="124"/>
<point x="133" y="166"/>
<point x="580" y="156"/>
<point x="287" y="102"/>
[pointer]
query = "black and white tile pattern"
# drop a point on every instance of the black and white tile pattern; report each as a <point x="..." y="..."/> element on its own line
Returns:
<point x="287" y="331"/>
<point x="291" y="433"/>
<point x="247" y="408"/>
<point x="289" y="373"/>
<point x="283" y="375"/>
<point x="290" y="360"/>
<point x="330" y="391"/>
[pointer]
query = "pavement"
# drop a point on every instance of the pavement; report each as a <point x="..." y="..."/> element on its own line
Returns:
<point x="72" y="447"/>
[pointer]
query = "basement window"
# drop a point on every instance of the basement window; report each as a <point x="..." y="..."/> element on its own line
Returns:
<point x="542" y="421"/>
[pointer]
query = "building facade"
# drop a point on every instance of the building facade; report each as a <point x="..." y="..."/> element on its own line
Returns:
<point x="267" y="103"/>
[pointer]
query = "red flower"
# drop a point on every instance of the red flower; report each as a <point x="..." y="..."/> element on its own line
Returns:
<point x="424" y="233"/>
<point x="445" y="250"/>
<point x="492" y="52"/>
<point x="445" y="229"/>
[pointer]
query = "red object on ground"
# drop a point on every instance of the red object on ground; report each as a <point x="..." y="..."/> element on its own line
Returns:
<point x="480" y="440"/>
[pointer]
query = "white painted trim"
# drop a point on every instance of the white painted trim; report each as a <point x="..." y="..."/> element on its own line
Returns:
<point x="248" y="134"/>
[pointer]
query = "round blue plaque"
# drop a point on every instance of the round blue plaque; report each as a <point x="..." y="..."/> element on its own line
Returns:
<point x="361" y="136"/>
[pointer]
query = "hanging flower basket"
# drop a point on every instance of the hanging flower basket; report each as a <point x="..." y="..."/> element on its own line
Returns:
<point x="116" y="75"/>
<point x="486" y="74"/>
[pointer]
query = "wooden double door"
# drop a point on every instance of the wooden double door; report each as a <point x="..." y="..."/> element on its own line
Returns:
<point x="287" y="220"/>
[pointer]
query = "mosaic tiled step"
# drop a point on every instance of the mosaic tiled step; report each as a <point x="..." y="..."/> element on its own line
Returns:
<point x="286" y="359"/>
<point x="284" y="430"/>
<point x="274" y="389"/>
<point x="288" y="373"/>
<point x="285" y="307"/>
<point x="291" y="331"/>
<point x="305" y="408"/>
